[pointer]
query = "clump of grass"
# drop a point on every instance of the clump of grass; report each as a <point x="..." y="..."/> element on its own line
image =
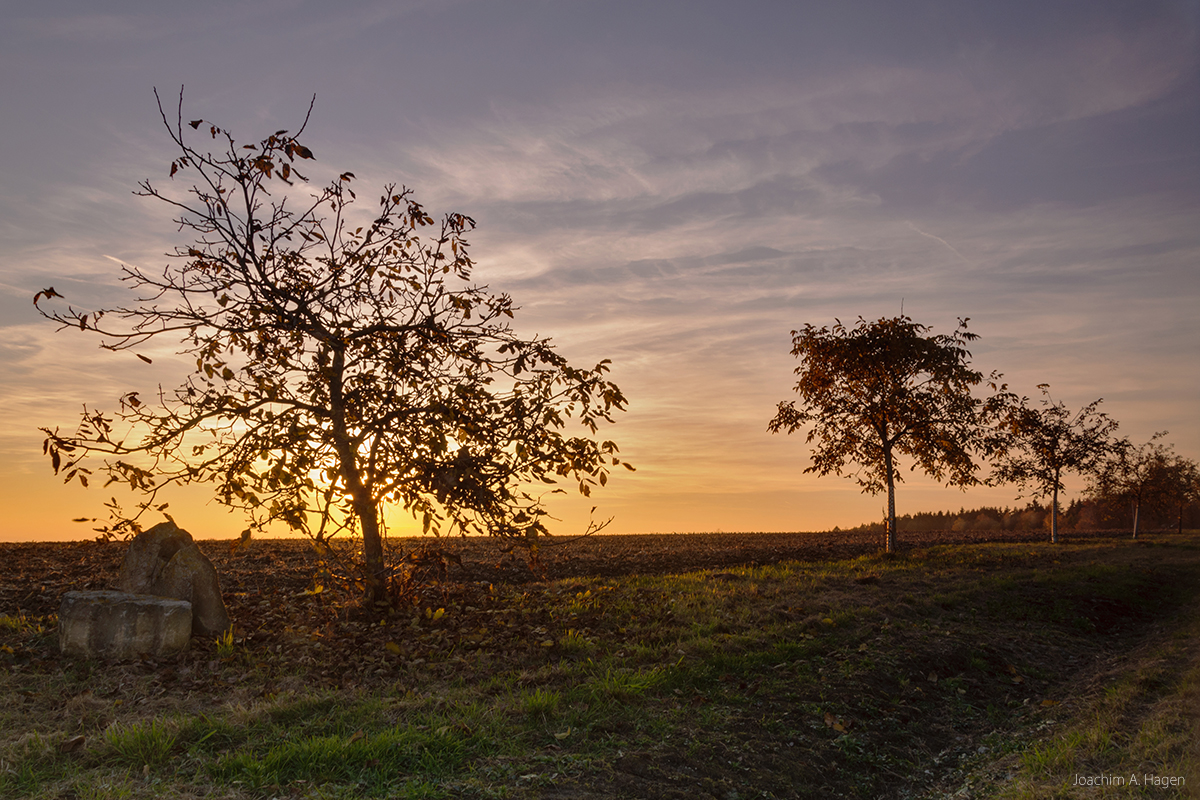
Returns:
<point x="622" y="683"/>
<point x="574" y="642"/>
<point x="225" y="644"/>
<point x="141" y="744"/>
<point x="24" y="625"/>
<point x="106" y="788"/>
<point x="9" y="622"/>
<point x="369" y="759"/>
<point x="540" y="702"/>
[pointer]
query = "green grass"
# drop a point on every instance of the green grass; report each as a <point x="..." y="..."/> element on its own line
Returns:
<point x="374" y="761"/>
<point x="141" y="744"/>
<point x="1137" y="720"/>
<point x="871" y="677"/>
<point x="540" y="703"/>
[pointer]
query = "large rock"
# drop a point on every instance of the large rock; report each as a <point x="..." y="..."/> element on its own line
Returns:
<point x="165" y="561"/>
<point x="107" y="624"/>
<point x="189" y="575"/>
<point x="148" y="555"/>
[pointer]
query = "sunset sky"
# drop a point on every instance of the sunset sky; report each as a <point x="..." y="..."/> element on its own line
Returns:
<point x="674" y="186"/>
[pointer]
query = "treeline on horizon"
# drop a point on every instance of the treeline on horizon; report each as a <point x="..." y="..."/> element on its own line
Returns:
<point x="1086" y="514"/>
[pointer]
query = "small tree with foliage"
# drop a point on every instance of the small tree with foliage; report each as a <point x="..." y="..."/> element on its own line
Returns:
<point x="343" y="362"/>
<point x="1134" y="474"/>
<point x="881" y="391"/>
<point x="1036" y="447"/>
<point x="1178" y="481"/>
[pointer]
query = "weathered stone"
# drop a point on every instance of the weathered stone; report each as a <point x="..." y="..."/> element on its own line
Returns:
<point x="107" y="624"/>
<point x="148" y="555"/>
<point x="165" y="561"/>
<point x="189" y="575"/>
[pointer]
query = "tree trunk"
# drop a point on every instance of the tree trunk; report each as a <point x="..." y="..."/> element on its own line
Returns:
<point x="1054" y="517"/>
<point x="368" y="517"/>
<point x="889" y="544"/>
<point x="363" y="500"/>
<point x="1137" y="507"/>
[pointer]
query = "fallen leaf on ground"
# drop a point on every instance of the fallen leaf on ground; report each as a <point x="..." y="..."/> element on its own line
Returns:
<point x="72" y="744"/>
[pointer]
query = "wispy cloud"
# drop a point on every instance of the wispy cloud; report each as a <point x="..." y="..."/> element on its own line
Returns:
<point x="677" y="206"/>
<point x="940" y="240"/>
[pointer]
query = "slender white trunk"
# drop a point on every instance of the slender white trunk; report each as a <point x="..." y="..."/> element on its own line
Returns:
<point x="890" y="541"/>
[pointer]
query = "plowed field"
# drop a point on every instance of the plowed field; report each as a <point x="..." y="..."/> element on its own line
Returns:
<point x="35" y="575"/>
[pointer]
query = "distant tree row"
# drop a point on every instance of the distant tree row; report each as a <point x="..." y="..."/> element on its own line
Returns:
<point x="879" y="392"/>
<point x="1081" y="514"/>
<point x="1033" y="516"/>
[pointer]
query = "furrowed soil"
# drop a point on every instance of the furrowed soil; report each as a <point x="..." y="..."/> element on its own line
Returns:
<point x="721" y="666"/>
<point x="36" y="574"/>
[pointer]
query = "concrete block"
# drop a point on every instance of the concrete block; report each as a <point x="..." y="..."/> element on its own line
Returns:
<point x="107" y="624"/>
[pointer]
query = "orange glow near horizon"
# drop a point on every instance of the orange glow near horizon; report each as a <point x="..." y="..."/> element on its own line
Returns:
<point x="645" y="197"/>
<point x="40" y="508"/>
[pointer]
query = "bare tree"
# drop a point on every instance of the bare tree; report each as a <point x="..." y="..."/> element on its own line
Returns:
<point x="882" y="390"/>
<point x="343" y="362"/>
<point x="1038" y="446"/>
